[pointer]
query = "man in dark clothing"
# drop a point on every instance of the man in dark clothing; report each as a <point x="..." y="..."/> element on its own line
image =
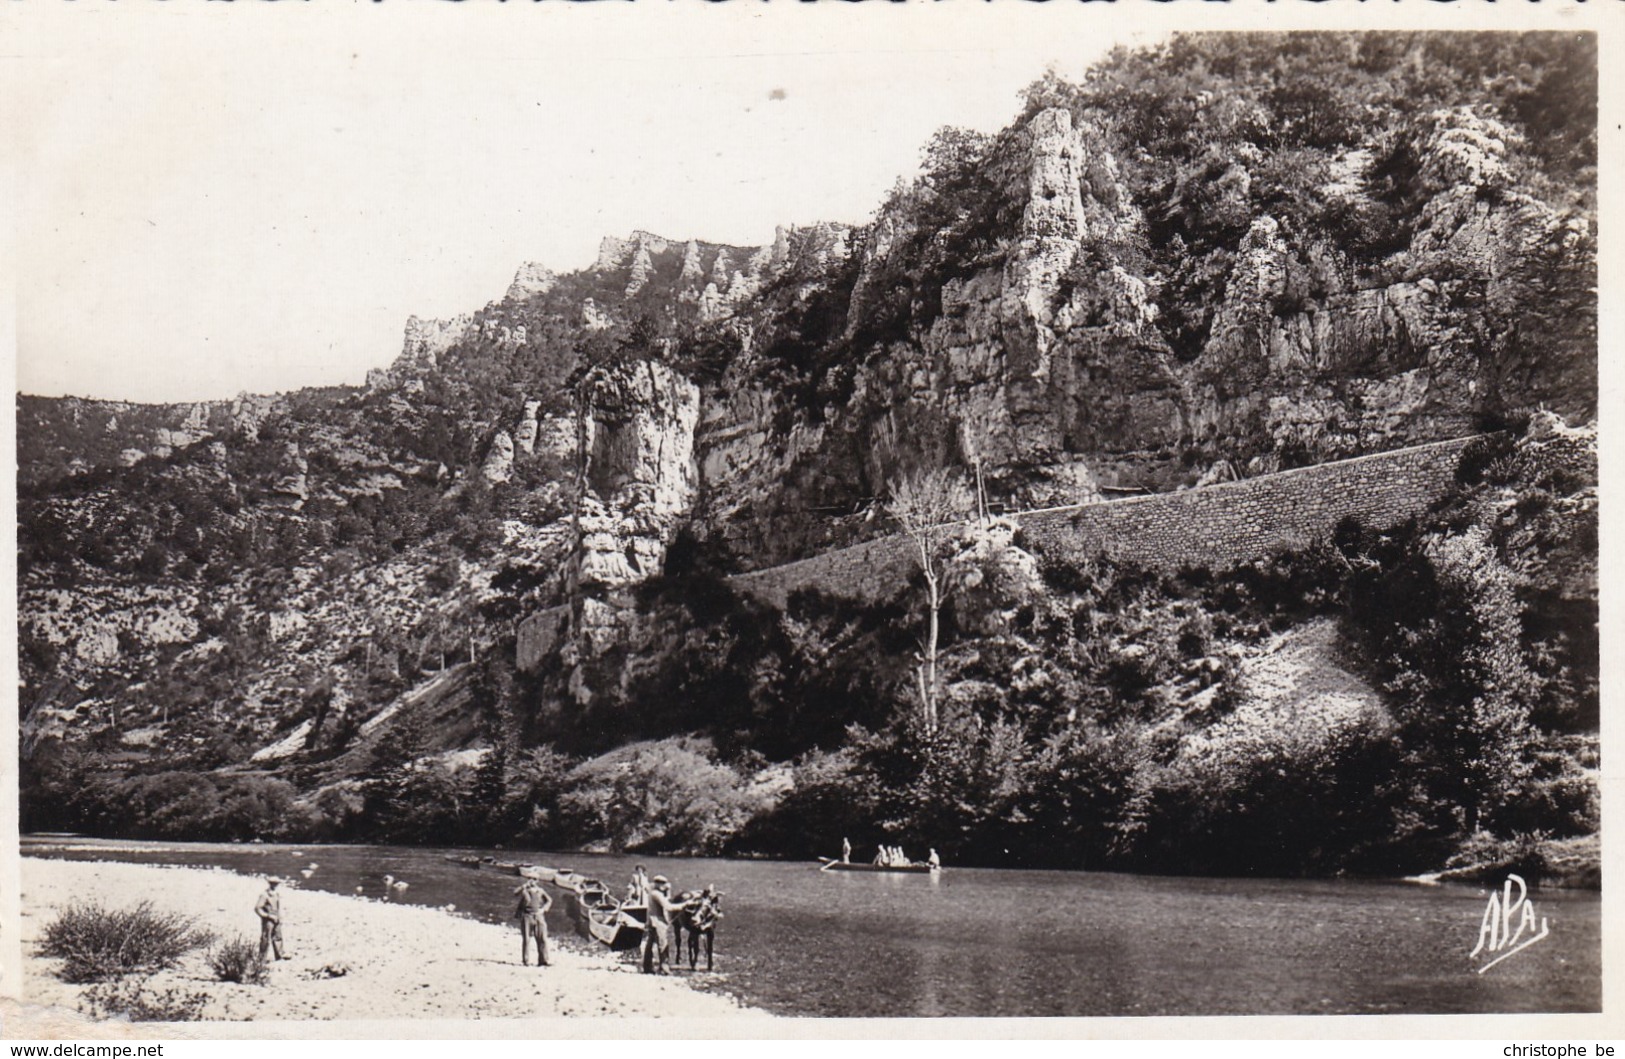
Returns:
<point x="269" y="909"/>
<point x="533" y="904"/>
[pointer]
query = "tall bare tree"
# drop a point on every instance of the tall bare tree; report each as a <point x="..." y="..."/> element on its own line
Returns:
<point x="973" y="441"/>
<point x="927" y="504"/>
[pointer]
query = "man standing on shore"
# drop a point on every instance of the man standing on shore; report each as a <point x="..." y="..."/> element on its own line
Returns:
<point x="533" y="904"/>
<point x="657" y="929"/>
<point x="269" y="909"/>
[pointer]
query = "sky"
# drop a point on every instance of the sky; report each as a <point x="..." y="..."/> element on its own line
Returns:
<point x="213" y="206"/>
<point x="220" y="198"/>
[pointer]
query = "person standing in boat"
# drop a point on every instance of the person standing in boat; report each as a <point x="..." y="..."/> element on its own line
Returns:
<point x="533" y="904"/>
<point x="933" y="862"/>
<point x="846" y="851"/>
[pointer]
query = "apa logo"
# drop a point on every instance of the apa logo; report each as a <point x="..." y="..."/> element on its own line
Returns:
<point x="1498" y="936"/>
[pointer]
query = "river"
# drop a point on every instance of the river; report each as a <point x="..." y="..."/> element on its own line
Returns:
<point x="986" y="942"/>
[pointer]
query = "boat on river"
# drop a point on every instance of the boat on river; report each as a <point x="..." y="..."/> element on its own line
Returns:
<point x="539" y="872"/>
<point x="618" y="924"/>
<point x="915" y="868"/>
<point x="470" y="862"/>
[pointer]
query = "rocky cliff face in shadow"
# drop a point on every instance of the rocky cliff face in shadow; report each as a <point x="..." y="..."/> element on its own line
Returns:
<point x="1081" y="304"/>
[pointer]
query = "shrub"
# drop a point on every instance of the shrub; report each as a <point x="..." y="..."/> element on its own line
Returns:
<point x="1087" y="796"/>
<point x="832" y="795"/>
<point x="133" y="999"/>
<point x="665" y="796"/>
<point x="1484" y="459"/>
<point x="237" y="960"/>
<point x="1489" y="857"/>
<point x="97" y="943"/>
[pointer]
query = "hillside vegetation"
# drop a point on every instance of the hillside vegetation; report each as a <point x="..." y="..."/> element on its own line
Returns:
<point x="294" y="616"/>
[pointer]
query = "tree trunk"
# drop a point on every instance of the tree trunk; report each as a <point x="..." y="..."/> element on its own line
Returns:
<point x="931" y="654"/>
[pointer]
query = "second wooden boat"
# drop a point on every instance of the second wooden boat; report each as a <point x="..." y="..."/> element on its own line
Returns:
<point x="831" y="864"/>
<point x="595" y="909"/>
<point x="620" y="928"/>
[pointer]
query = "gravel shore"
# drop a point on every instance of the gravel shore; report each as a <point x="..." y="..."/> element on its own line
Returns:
<point x="351" y="959"/>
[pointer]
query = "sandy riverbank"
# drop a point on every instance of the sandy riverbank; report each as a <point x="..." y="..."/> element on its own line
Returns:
<point x="401" y="962"/>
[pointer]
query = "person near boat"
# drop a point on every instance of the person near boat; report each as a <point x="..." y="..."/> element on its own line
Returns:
<point x="533" y="904"/>
<point x="269" y="909"/>
<point x="893" y="857"/>
<point x="846" y="851"/>
<point x="657" y="927"/>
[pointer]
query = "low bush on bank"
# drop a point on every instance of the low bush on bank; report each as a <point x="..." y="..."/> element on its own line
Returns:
<point x="237" y="960"/>
<point x="671" y="795"/>
<point x="136" y="1000"/>
<point x="97" y="944"/>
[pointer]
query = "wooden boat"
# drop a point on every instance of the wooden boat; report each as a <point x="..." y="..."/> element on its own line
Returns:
<point x="917" y="868"/>
<point x="596" y="909"/>
<point x="616" y="923"/>
<point x="524" y="871"/>
<point x="539" y="872"/>
<point x="620" y="928"/>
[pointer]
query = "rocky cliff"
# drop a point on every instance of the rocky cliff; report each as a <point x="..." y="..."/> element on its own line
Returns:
<point x="835" y="359"/>
<point x="1169" y="274"/>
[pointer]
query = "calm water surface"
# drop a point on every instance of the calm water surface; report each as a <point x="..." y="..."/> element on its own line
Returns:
<point x="986" y="942"/>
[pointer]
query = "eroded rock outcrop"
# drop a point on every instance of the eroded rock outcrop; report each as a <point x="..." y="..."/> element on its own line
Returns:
<point x="639" y="466"/>
<point x="633" y="446"/>
<point x="291" y="487"/>
<point x="499" y="460"/>
<point x="525" y="433"/>
<point x="425" y="340"/>
<point x="531" y="279"/>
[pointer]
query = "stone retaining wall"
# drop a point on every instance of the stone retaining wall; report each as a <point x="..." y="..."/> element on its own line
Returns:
<point x="1216" y="526"/>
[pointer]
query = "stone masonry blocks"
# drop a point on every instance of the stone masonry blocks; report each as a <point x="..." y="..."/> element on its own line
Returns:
<point x="1216" y="526"/>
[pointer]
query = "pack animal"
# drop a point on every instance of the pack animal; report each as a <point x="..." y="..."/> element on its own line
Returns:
<point x="699" y="920"/>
